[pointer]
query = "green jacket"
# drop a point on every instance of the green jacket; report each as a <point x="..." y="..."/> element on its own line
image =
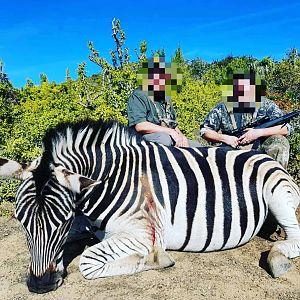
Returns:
<point x="141" y="108"/>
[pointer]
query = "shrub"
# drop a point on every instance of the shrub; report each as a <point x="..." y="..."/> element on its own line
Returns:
<point x="193" y="103"/>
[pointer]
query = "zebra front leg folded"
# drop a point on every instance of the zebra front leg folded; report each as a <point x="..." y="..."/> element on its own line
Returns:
<point x="283" y="207"/>
<point x="120" y="255"/>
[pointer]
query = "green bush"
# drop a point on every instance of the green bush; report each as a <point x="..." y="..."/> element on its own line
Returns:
<point x="193" y="103"/>
<point x="7" y="189"/>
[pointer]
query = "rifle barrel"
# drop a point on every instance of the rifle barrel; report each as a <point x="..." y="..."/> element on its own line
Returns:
<point x="265" y="122"/>
<point x="280" y="120"/>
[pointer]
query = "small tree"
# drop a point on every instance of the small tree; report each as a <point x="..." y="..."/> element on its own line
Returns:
<point x="117" y="80"/>
<point x="43" y="78"/>
<point x="197" y="68"/>
<point x="3" y="75"/>
<point x="142" y="51"/>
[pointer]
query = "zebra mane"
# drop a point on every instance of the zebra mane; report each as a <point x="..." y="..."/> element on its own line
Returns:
<point x="60" y="134"/>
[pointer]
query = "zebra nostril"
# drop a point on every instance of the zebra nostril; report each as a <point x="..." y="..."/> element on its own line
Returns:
<point x="59" y="282"/>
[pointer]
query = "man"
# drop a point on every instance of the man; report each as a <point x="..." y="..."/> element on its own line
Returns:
<point x="244" y="103"/>
<point x="150" y="110"/>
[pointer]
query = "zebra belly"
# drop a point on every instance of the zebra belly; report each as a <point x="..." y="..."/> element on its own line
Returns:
<point x="227" y="210"/>
<point x="200" y="243"/>
<point x="218" y="227"/>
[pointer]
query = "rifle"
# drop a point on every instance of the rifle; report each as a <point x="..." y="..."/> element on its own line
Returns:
<point x="265" y="122"/>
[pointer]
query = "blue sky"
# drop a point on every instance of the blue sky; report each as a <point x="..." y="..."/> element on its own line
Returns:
<point x="50" y="36"/>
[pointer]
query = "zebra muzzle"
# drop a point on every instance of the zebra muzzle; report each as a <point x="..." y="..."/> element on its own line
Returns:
<point x="45" y="283"/>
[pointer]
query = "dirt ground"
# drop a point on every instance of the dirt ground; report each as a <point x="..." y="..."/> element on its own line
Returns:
<point x="233" y="274"/>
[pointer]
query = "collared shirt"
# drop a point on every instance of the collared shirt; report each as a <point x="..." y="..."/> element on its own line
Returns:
<point x="140" y="109"/>
<point x="222" y="119"/>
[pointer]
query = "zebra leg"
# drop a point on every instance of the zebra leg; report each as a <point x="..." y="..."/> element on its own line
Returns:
<point x="283" y="206"/>
<point x="120" y="255"/>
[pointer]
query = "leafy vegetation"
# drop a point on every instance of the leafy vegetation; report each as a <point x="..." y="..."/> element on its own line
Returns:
<point x="26" y="113"/>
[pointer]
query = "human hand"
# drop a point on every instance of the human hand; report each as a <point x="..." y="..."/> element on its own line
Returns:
<point x="249" y="136"/>
<point x="179" y="138"/>
<point x="230" y="140"/>
<point x="182" y="142"/>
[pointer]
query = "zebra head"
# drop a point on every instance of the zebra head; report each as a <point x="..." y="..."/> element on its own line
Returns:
<point x="46" y="212"/>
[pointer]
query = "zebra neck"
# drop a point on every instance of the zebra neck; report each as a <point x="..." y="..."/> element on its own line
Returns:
<point x="115" y="187"/>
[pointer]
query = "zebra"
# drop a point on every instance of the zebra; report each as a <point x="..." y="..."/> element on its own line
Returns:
<point x="145" y="198"/>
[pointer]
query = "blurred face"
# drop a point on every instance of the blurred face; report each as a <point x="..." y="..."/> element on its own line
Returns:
<point x="246" y="91"/>
<point x="240" y="95"/>
<point x="159" y="79"/>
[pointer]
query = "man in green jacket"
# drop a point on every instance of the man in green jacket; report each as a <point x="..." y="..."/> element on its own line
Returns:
<point x="150" y="110"/>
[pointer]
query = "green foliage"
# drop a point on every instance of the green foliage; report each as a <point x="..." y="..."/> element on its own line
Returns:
<point x="218" y="70"/>
<point x="120" y="56"/>
<point x="197" y="68"/>
<point x="158" y="52"/>
<point x="143" y="51"/>
<point x="5" y="119"/>
<point x="118" y="79"/>
<point x="43" y="78"/>
<point x="285" y="77"/>
<point x="9" y="96"/>
<point x="8" y="189"/>
<point x="294" y="140"/>
<point x="193" y="103"/>
<point x="118" y="85"/>
<point x="40" y="108"/>
<point x="178" y="57"/>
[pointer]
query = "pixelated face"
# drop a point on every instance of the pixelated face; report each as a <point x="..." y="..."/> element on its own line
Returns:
<point x="242" y="92"/>
<point x="159" y="79"/>
<point x="246" y="91"/>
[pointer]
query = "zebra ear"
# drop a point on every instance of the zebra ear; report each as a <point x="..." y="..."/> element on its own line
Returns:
<point x="73" y="181"/>
<point x="13" y="169"/>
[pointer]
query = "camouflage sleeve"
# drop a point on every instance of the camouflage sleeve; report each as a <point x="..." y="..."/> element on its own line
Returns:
<point x="212" y="120"/>
<point x="173" y="112"/>
<point x="273" y="111"/>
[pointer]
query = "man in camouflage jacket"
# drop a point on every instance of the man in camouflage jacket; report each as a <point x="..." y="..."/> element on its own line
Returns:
<point x="243" y="104"/>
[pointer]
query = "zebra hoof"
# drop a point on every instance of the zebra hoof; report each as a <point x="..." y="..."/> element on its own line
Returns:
<point x="278" y="263"/>
<point x="159" y="258"/>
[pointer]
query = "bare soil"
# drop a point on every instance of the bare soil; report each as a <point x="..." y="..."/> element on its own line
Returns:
<point x="240" y="273"/>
